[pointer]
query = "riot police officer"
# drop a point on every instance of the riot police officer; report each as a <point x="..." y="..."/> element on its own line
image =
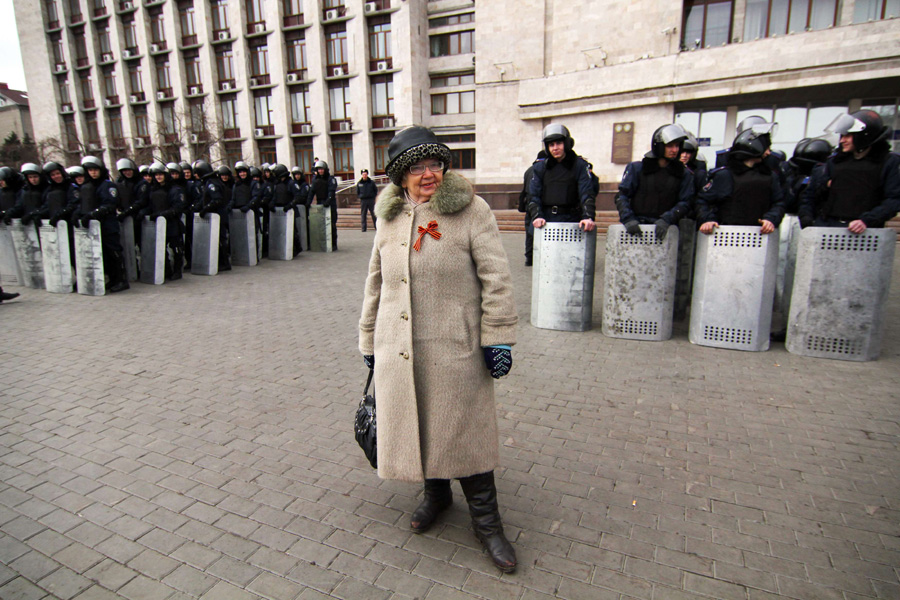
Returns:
<point x="809" y="153"/>
<point x="323" y="191"/>
<point x="133" y="190"/>
<point x="10" y="184"/>
<point x="165" y="199"/>
<point x="30" y="197"/>
<point x="61" y="196"/>
<point x="215" y="198"/>
<point x="284" y="195"/>
<point x="561" y="190"/>
<point x="690" y="158"/>
<point x="99" y="201"/>
<point x="744" y="192"/>
<point x="657" y="189"/>
<point x="859" y="186"/>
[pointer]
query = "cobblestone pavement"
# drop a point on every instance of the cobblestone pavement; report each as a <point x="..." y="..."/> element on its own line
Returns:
<point x="194" y="440"/>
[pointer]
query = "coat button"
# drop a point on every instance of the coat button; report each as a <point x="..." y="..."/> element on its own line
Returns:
<point x="403" y="244"/>
<point x="405" y="355"/>
<point x="409" y="213"/>
<point x="404" y="279"/>
<point x="404" y="316"/>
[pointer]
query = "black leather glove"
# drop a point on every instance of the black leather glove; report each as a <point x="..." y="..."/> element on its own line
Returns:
<point x="55" y="218"/>
<point x="806" y="221"/>
<point x="86" y="221"/>
<point x="7" y="220"/>
<point x="498" y="360"/>
<point x="662" y="228"/>
<point x="369" y="359"/>
<point x="246" y="208"/>
<point x="633" y="227"/>
<point x="203" y="213"/>
<point x="26" y="218"/>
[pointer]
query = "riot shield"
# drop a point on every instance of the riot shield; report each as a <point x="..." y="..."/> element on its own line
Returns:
<point x="562" y="284"/>
<point x="243" y="238"/>
<point x="301" y="226"/>
<point x="840" y="293"/>
<point x="89" y="274"/>
<point x="281" y="234"/>
<point x="153" y="251"/>
<point x="205" y="251"/>
<point x="734" y="289"/>
<point x="789" y="234"/>
<point x="28" y="253"/>
<point x="129" y="253"/>
<point x="9" y="264"/>
<point x="58" y="275"/>
<point x="320" y="228"/>
<point x="684" y="274"/>
<point x="639" y="283"/>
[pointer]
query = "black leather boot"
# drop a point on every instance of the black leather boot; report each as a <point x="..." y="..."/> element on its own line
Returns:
<point x="481" y="493"/>
<point x="438" y="498"/>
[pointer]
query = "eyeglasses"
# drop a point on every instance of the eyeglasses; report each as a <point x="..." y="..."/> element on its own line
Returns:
<point x="434" y="166"/>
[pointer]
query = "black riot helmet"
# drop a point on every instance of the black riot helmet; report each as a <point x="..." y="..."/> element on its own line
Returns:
<point x="125" y="163"/>
<point x="748" y="145"/>
<point x="809" y="152"/>
<point x="279" y="171"/>
<point x="665" y="135"/>
<point x="690" y="144"/>
<point x="297" y="171"/>
<point x="53" y="166"/>
<point x="30" y="168"/>
<point x="320" y="164"/>
<point x="865" y="126"/>
<point x="255" y="172"/>
<point x="158" y="168"/>
<point x="555" y="132"/>
<point x="202" y="169"/>
<point x="241" y="166"/>
<point x="75" y="171"/>
<point x="185" y="166"/>
<point x="224" y="171"/>
<point x="759" y="128"/>
<point x="92" y="162"/>
<point x="173" y="168"/>
<point x="7" y="175"/>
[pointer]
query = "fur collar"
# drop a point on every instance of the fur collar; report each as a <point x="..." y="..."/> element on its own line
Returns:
<point x="454" y="194"/>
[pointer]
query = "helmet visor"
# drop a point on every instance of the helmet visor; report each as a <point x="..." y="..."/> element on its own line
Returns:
<point x="844" y="124"/>
<point x="672" y="133"/>
<point x="764" y="128"/>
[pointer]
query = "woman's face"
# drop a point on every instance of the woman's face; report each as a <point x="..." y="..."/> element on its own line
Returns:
<point x="422" y="187"/>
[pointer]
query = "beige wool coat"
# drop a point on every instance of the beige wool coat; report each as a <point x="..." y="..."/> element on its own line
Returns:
<point x="425" y="317"/>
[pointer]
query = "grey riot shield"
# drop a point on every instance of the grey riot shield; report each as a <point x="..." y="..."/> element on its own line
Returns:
<point x="789" y="234"/>
<point x="129" y="253"/>
<point x="734" y="288"/>
<point x="841" y="286"/>
<point x="639" y="283"/>
<point x="281" y="234"/>
<point x="320" y="228"/>
<point x="243" y="238"/>
<point x="9" y="264"/>
<point x="684" y="274"/>
<point x="153" y="251"/>
<point x="89" y="274"/>
<point x="58" y="275"/>
<point x="562" y="284"/>
<point x="28" y="253"/>
<point x="301" y="226"/>
<point x="205" y="251"/>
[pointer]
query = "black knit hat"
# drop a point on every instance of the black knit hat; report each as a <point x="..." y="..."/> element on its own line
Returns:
<point x="410" y="146"/>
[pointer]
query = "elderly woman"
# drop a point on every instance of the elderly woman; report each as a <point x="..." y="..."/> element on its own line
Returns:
<point x="437" y="323"/>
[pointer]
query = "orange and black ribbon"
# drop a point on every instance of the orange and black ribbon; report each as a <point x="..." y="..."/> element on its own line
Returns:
<point x="430" y="230"/>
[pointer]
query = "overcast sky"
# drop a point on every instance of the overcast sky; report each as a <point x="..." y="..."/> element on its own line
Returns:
<point x="11" y="71"/>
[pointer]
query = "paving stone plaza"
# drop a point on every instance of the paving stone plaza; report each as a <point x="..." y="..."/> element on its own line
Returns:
<point x="194" y="440"/>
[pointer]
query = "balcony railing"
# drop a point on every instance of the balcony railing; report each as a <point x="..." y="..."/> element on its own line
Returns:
<point x="88" y="103"/>
<point x="232" y="133"/>
<point x="190" y="40"/>
<point x="301" y="128"/>
<point x="257" y="27"/>
<point x="293" y="20"/>
<point x="338" y="125"/>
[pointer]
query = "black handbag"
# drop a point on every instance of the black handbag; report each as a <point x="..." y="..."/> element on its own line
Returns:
<point x="364" y="425"/>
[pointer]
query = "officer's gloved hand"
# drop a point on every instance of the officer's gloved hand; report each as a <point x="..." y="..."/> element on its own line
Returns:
<point x="633" y="227"/>
<point x="369" y="359"/>
<point x="7" y="219"/>
<point x="86" y="221"/>
<point x="246" y="208"/>
<point x="805" y="222"/>
<point x="498" y="360"/>
<point x="55" y="218"/>
<point x="203" y="213"/>
<point x="662" y="228"/>
<point x="26" y="218"/>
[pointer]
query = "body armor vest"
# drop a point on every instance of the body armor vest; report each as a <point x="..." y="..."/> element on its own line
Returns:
<point x="242" y="194"/>
<point x="89" y="200"/>
<point x="560" y="187"/>
<point x="855" y="189"/>
<point x="750" y="198"/>
<point x="282" y="196"/>
<point x="57" y="197"/>
<point x="31" y="198"/>
<point x="159" y="199"/>
<point x="658" y="193"/>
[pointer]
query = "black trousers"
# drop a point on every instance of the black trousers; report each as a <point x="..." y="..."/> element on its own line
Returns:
<point x="367" y="205"/>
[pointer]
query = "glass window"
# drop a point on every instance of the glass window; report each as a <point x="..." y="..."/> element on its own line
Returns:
<point x="765" y="18"/>
<point x="462" y="158"/>
<point x="706" y="23"/>
<point x="300" y="110"/>
<point x="450" y="44"/>
<point x="293" y="8"/>
<point x="93" y="130"/>
<point x="63" y="87"/>
<point x="380" y="40"/>
<point x="134" y="80"/>
<point x="220" y="15"/>
<point x="59" y="55"/>
<point x="343" y="157"/>
<point x="303" y="156"/>
<point x="451" y="20"/>
<point x="887" y="108"/>
<point x="262" y="104"/>
<point x="187" y="21"/>
<point x="168" y="119"/>
<point x="80" y="47"/>
<point x="109" y="83"/>
<point x="339" y="100"/>
<point x="52" y="13"/>
<point x="141" y="124"/>
<point x="162" y="75"/>
<point x="259" y="60"/>
<point x="296" y="54"/>
<point x="382" y="96"/>
<point x="192" y="70"/>
<point x="229" y="113"/>
<point x="157" y="29"/>
<point x="449" y="80"/>
<point x="255" y="11"/>
<point x="820" y="117"/>
<point x="874" y="10"/>
<point x="87" y="88"/>
<point x="381" y="144"/>
<point x="75" y="11"/>
<point x="115" y="126"/>
<point x="453" y="103"/>
<point x="225" y="65"/>
<point x="811" y="14"/>
<point x="103" y="38"/>
<point x="336" y="43"/>
<point x="198" y="117"/>
<point x="130" y="31"/>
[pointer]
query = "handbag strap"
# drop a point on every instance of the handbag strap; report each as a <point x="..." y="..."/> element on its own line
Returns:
<point x="369" y="382"/>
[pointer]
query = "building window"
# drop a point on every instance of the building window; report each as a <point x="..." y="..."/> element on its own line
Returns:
<point x="336" y="45"/>
<point x="75" y="15"/>
<point x="103" y="38"/>
<point x="380" y="38"/>
<point x="81" y="57"/>
<point x="463" y="158"/>
<point x="87" y="91"/>
<point x="303" y="157"/>
<point x="259" y="60"/>
<point x="188" y="31"/>
<point x="263" y="107"/>
<point x="130" y="33"/>
<point x="300" y="109"/>
<point x="450" y="44"/>
<point x="457" y="138"/>
<point x="162" y="75"/>
<point x="197" y="114"/>
<point x="192" y="70"/>
<point x="453" y="103"/>
<point x="71" y="132"/>
<point x="141" y="125"/>
<point x="293" y="12"/>
<point x="109" y="84"/>
<point x="220" y="16"/>
<point x="451" y="20"/>
<point x="339" y="102"/>
<point x="343" y="158"/>
<point x="135" y="82"/>
<point x="888" y="109"/>
<point x="230" y="118"/>
<point x="62" y="85"/>
<point x="99" y="7"/>
<point x="874" y="10"/>
<point x="255" y="13"/>
<point x="59" y="55"/>
<point x="233" y="152"/>
<point x="168" y="119"/>
<point x="706" y="23"/>
<point x="157" y="30"/>
<point x="52" y="14"/>
<point x="92" y="129"/>
<point x="116" y="131"/>
<point x="296" y="56"/>
<point x="381" y="143"/>
<point x="766" y="18"/>
<point x="383" y="96"/>
<point x="451" y="80"/>
<point x="225" y="65"/>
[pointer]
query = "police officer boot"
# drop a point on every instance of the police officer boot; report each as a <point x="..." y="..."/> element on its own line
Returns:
<point x="7" y="296"/>
<point x="438" y="498"/>
<point x="481" y="493"/>
<point x="118" y="280"/>
<point x="177" y="262"/>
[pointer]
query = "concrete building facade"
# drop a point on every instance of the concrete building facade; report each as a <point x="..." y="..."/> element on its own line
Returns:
<point x="293" y="80"/>
<point x="15" y="114"/>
